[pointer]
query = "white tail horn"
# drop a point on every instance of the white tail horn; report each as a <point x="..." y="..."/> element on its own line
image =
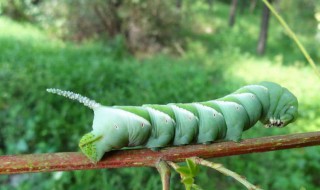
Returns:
<point x="74" y="96"/>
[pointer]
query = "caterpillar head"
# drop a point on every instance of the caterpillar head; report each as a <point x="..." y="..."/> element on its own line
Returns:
<point x="283" y="108"/>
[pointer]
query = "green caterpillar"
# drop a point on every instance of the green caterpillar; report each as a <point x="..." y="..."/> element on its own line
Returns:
<point x="155" y="126"/>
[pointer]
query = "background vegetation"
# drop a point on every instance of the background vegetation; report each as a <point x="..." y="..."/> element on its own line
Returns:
<point x="160" y="52"/>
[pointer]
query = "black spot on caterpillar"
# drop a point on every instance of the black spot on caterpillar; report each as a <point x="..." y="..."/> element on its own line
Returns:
<point x="155" y="126"/>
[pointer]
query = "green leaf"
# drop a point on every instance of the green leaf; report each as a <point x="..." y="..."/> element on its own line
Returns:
<point x="193" y="167"/>
<point x="196" y="187"/>
<point x="187" y="180"/>
<point x="188" y="187"/>
<point x="183" y="170"/>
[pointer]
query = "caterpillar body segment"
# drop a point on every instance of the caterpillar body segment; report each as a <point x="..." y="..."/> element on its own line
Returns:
<point x="262" y="94"/>
<point x="209" y="117"/>
<point x="160" y="121"/>
<point x="155" y="126"/>
<point x="186" y="128"/>
<point x="235" y="117"/>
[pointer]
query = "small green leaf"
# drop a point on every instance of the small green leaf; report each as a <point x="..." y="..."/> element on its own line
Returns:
<point x="193" y="167"/>
<point x="196" y="187"/>
<point x="188" y="187"/>
<point x="183" y="170"/>
<point x="187" y="180"/>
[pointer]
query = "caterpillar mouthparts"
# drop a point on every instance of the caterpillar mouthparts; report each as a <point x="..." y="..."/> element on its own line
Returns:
<point x="274" y="123"/>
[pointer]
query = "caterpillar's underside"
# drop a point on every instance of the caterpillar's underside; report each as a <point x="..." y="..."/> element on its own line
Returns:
<point x="156" y="126"/>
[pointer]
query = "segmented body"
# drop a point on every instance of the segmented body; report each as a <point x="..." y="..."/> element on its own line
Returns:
<point x="154" y="126"/>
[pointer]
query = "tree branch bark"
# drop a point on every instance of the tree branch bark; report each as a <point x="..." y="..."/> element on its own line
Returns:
<point x="49" y="162"/>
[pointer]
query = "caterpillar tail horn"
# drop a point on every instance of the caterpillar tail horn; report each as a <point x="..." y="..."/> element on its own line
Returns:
<point x="74" y="96"/>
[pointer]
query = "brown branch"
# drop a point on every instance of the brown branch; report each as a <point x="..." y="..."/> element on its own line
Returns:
<point x="144" y="157"/>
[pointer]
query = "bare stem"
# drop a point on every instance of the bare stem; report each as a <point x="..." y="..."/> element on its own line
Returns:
<point x="173" y="165"/>
<point x="165" y="173"/>
<point x="225" y="171"/>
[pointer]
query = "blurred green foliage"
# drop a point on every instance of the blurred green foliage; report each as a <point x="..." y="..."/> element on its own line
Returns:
<point x="145" y="26"/>
<point x="216" y="60"/>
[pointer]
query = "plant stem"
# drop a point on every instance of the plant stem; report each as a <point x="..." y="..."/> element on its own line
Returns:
<point x="225" y="171"/>
<point x="294" y="37"/>
<point x="173" y="165"/>
<point x="165" y="173"/>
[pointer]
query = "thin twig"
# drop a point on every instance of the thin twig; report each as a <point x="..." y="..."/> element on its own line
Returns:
<point x="294" y="37"/>
<point x="48" y="162"/>
<point x="225" y="171"/>
<point x="165" y="174"/>
<point x="173" y="165"/>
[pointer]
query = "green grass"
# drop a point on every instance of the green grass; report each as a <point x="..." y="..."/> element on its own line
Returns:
<point x="217" y="61"/>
